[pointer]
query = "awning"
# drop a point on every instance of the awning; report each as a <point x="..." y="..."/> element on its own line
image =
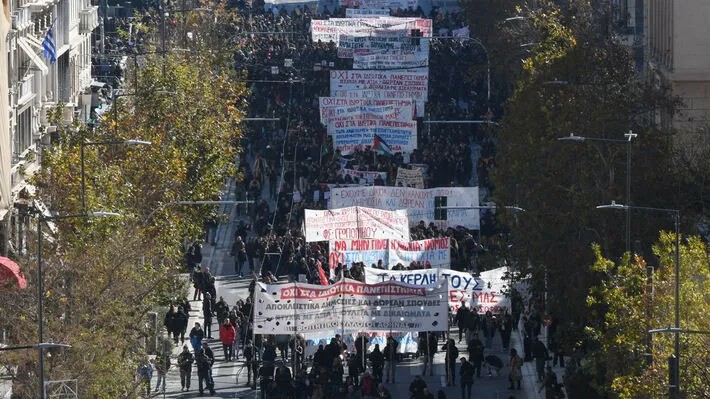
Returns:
<point x="34" y="57"/>
<point x="10" y="271"/>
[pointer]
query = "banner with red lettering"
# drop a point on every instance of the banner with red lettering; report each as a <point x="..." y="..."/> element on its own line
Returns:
<point x="331" y="107"/>
<point x="351" y="135"/>
<point x="330" y="30"/>
<point x="434" y="252"/>
<point x="488" y="292"/>
<point x="355" y="223"/>
<point x="350" y="305"/>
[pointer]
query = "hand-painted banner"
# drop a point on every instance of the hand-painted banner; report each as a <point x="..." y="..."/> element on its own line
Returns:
<point x="330" y="30"/>
<point x="435" y="252"/>
<point x="350" y="305"/>
<point x="420" y="203"/>
<point x="483" y="293"/>
<point x="329" y="105"/>
<point x="351" y="223"/>
<point x="357" y="134"/>
<point x="382" y="41"/>
<point x="410" y="178"/>
<point x="390" y="61"/>
<point x="339" y="115"/>
<point x="364" y="176"/>
<point x="410" y="83"/>
<point x="366" y="12"/>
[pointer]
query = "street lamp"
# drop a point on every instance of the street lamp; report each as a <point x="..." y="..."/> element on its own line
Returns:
<point x="130" y="142"/>
<point x="629" y="136"/>
<point x="40" y="283"/>
<point x="674" y="362"/>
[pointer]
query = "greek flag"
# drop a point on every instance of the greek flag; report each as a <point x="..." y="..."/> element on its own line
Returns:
<point x="49" y="46"/>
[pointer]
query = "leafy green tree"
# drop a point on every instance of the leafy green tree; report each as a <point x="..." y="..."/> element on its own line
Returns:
<point x="102" y="276"/>
<point x="559" y="183"/>
<point x="630" y="303"/>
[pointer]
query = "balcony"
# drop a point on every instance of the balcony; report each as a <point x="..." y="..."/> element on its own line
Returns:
<point x="21" y="18"/>
<point x="88" y="19"/>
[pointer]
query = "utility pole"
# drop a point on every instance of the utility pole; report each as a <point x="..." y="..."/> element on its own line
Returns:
<point x="163" y="11"/>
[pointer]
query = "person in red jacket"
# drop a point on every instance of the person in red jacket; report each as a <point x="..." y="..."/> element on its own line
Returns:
<point x="227" y="334"/>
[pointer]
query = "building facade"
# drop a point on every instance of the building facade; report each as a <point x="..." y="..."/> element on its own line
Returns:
<point x="35" y="86"/>
<point x="678" y="55"/>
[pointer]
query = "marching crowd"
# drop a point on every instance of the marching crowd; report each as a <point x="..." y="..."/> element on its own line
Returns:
<point x="293" y="157"/>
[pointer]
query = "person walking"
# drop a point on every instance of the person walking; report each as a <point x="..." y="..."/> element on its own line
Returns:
<point x="184" y="361"/>
<point x="239" y="251"/>
<point x="390" y="359"/>
<point x="377" y="358"/>
<point x="452" y="353"/>
<point x="181" y="320"/>
<point x="145" y="374"/>
<point x="227" y="334"/>
<point x="540" y="354"/>
<point x="207" y="312"/>
<point x="171" y="324"/>
<point x="162" y="365"/>
<point x="204" y="366"/>
<point x="476" y="354"/>
<point x="466" y="373"/>
<point x="515" y="372"/>
<point x="197" y="334"/>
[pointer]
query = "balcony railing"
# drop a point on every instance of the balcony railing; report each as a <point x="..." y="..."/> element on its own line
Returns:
<point x="88" y="19"/>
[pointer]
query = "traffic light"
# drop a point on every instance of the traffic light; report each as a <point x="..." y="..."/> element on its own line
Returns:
<point x="440" y="208"/>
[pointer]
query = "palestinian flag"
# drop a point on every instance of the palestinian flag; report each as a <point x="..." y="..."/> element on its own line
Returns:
<point x="382" y="147"/>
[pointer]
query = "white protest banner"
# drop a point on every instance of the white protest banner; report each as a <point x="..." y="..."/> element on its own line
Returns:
<point x="383" y="95"/>
<point x="329" y="105"/>
<point x="355" y="223"/>
<point x="364" y="176"/>
<point x="382" y="41"/>
<point x="349" y="305"/>
<point x="409" y="84"/>
<point x="420" y="203"/>
<point x="484" y="293"/>
<point x="410" y="178"/>
<point x="350" y="135"/>
<point x="335" y="115"/>
<point x="366" y="12"/>
<point x="330" y="30"/>
<point x="434" y="251"/>
<point x="390" y="61"/>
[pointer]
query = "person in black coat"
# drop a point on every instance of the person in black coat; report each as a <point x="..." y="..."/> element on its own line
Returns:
<point x="377" y="358"/>
<point x="452" y="353"/>
<point x="181" y="320"/>
<point x="390" y="359"/>
<point x="207" y="313"/>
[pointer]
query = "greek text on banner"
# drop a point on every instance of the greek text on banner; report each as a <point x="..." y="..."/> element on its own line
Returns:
<point x="355" y="223"/>
<point x="350" y="305"/>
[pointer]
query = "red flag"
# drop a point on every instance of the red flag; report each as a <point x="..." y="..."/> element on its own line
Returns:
<point x="321" y="274"/>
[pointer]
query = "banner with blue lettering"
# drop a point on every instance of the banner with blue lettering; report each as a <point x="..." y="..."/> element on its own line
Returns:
<point x="433" y="252"/>
<point x="484" y="293"/>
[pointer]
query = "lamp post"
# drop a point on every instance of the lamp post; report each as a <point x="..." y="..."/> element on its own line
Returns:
<point x="99" y="143"/>
<point x="40" y="283"/>
<point x="674" y="362"/>
<point x="628" y="137"/>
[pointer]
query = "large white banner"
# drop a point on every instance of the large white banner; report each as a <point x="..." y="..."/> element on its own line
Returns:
<point x="408" y="84"/>
<point x="420" y="203"/>
<point x="390" y="61"/>
<point x="355" y="223"/>
<point x="350" y="305"/>
<point x="349" y="135"/>
<point x="382" y="41"/>
<point x="434" y="252"/>
<point x="330" y="106"/>
<point x="483" y="293"/>
<point x="330" y="30"/>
